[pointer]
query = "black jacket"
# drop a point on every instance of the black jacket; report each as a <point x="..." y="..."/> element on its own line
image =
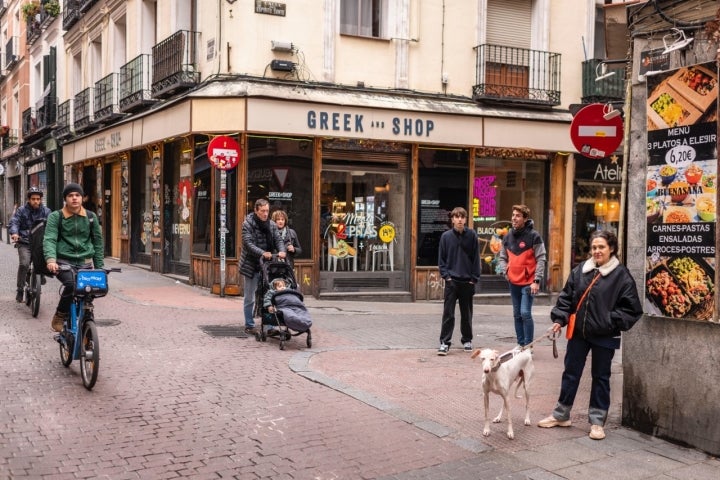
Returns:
<point x="24" y="220"/>
<point x="459" y="256"/>
<point x="256" y="241"/>
<point x="611" y="306"/>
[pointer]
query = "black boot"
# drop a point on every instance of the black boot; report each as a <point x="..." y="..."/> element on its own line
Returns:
<point x="19" y="296"/>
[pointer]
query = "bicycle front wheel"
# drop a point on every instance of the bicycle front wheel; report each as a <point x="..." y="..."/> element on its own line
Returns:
<point x="89" y="354"/>
<point x="34" y="294"/>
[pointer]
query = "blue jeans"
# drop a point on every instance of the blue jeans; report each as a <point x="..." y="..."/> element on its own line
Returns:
<point x="522" y="302"/>
<point x="251" y="285"/>
<point x="601" y="363"/>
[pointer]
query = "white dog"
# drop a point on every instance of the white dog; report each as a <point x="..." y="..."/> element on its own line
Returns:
<point x="499" y="374"/>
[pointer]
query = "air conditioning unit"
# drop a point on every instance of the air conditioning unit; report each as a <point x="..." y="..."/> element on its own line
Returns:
<point x="282" y="65"/>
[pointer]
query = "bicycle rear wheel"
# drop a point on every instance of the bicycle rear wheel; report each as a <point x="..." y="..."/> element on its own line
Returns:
<point x="34" y="293"/>
<point x="89" y="354"/>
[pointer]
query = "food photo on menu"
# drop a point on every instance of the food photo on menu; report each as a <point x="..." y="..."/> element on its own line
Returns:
<point x="682" y="194"/>
<point x="683" y="98"/>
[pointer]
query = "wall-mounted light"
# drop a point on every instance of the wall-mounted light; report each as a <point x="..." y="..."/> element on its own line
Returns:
<point x="281" y="46"/>
<point x="675" y="40"/>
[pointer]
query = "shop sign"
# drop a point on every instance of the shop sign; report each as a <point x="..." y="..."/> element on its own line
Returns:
<point x="681" y="193"/>
<point x="223" y="152"/>
<point x="355" y="123"/>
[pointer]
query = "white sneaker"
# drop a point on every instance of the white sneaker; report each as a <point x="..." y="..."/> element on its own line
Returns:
<point x="443" y="350"/>
<point x="551" y="421"/>
<point x="597" y="432"/>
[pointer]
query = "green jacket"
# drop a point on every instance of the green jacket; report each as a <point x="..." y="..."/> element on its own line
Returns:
<point x="73" y="244"/>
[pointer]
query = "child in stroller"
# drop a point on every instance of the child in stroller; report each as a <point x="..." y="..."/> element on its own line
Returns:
<point x="283" y="313"/>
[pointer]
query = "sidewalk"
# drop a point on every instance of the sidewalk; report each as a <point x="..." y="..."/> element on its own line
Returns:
<point x="370" y="400"/>
<point x="384" y="355"/>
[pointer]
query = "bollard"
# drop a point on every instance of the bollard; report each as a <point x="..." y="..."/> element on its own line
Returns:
<point x="1" y="225"/>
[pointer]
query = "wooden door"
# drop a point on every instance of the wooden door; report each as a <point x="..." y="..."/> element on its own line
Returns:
<point x="114" y="229"/>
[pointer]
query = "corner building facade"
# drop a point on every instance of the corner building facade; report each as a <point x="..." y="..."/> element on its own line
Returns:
<point x="366" y="162"/>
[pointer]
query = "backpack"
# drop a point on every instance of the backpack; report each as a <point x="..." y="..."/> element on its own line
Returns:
<point x="37" y="234"/>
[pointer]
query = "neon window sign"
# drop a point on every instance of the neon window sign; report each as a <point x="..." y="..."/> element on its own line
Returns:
<point x="484" y="197"/>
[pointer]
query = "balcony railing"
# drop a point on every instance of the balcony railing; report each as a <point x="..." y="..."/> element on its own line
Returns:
<point x="83" y="110"/>
<point x="86" y="5"/>
<point x="10" y="139"/>
<point x="63" y="126"/>
<point x="29" y="124"/>
<point x="37" y="24"/>
<point x="71" y="13"/>
<point x="135" y="90"/>
<point x="11" y="53"/>
<point x="603" y="90"/>
<point x="517" y="75"/>
<point x="3" y="7"/>
<point x="106" y="104"/>
<point x="46" y="110"/>
<point x="174" y="64"/>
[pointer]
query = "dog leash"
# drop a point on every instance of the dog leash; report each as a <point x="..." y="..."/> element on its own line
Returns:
<point x="549" y="334"/>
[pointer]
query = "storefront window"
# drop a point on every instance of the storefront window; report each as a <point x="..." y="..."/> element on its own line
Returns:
<point x="499" y="184"/>
<point x="141" y="200"/>
<point x="363" y="219"/>
<point x="201" y="197"/>
<point x="177" y="207"/>
<point x="443" y="185"/>
<point x="280" y="170"/>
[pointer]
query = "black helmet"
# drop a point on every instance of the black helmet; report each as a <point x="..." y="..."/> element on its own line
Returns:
<point x="34" y="191"/>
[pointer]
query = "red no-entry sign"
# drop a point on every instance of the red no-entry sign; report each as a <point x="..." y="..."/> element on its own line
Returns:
<point x="593" y="135"/>
<point x="223" y="152"/>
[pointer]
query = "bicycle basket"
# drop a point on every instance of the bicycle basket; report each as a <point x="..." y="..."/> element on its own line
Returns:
<point x="91" y="281"/>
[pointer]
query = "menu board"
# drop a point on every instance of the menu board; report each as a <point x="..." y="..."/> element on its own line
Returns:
<point x="681" y="195"/>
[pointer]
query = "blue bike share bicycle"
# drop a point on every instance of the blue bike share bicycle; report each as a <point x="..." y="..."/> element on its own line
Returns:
<point x="79" y="339"/>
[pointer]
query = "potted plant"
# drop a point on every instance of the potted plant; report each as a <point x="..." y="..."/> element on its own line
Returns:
<point x="30" y="9"/>
<point x="52" y="7"/>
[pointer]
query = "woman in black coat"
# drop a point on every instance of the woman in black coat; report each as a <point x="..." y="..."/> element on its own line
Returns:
<point x="610" y="306"/>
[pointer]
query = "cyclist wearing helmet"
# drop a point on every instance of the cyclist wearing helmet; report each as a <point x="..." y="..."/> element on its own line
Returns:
<point x="20" y="225"/>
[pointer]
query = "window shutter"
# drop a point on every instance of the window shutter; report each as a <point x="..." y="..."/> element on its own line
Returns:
<point x="509" y="23"/>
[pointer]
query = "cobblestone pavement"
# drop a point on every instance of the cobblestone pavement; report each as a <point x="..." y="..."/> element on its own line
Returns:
<point x="370" y="400"/>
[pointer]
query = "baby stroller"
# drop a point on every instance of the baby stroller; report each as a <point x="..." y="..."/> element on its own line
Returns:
<point x="289" y="317"/>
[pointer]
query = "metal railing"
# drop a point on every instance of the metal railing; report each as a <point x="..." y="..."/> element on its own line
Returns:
<point x="29" y="124"/>
<point x="135" y="90"/>
<point x="10" y="139"/>
<point x="106" y="98"/>
<point x="174" y="63"/>
<point x="517" y="75"/>
<point x="46" y="109"/>
<point x="63" y="125"/>
<point x="71" y="13"/>
<point x="82" y="109"/>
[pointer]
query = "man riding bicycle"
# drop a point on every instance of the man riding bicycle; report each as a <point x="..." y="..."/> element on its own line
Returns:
<point x="20" y="225"/>
<point x="72" y="236"/>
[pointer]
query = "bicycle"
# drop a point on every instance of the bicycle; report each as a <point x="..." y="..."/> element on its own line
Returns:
<point x="79" y="339"/>
<point x="33" y="289"/>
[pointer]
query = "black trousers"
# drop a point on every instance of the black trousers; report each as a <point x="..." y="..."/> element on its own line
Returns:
<point x="457" y="293"/>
